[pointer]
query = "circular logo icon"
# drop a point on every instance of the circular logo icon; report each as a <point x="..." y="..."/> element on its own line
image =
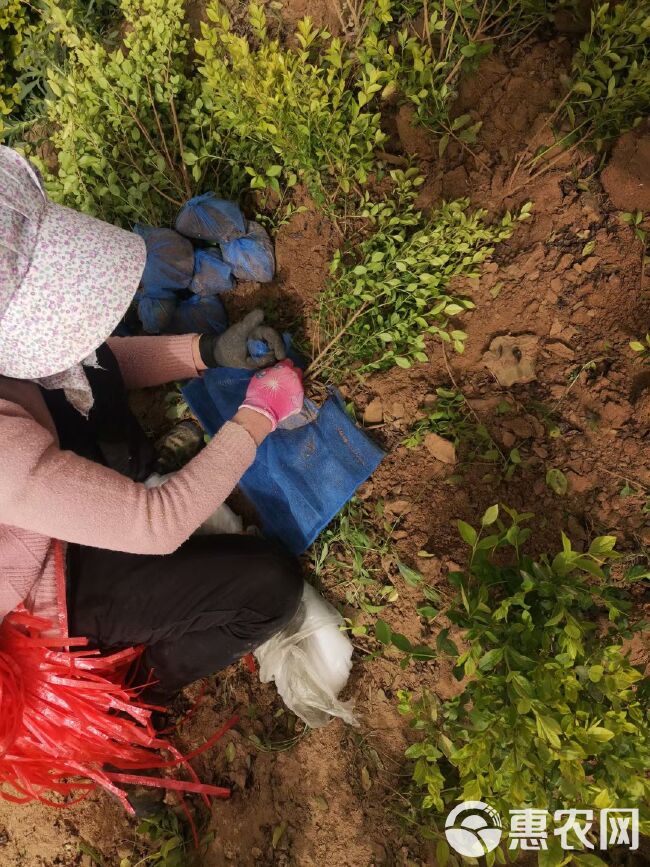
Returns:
<point x="473" y="828"/>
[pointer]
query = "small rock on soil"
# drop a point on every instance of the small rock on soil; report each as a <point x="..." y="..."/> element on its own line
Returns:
<point x="439" y="448"/>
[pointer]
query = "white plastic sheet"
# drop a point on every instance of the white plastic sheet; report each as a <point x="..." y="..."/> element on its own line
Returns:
<point x="310" y="661"/>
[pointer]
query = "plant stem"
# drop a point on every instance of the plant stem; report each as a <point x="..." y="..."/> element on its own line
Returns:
<point x="465" y="147"/>
<point x="547" y="166"/>
<point x="179" y="139"/>
<point x="177" y="132"/>
<point x="317" y="363"/>
<point x="163" y="139"/>
<point x="160" y="192"/>
<point x="544" y="126"/>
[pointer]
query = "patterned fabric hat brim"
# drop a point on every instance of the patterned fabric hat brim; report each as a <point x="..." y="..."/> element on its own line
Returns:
<point x="81" y="279"/>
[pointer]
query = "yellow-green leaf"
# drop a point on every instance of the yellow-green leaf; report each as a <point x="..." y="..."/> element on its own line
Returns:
<point x="557" y="481"/>
<point x="467" y="533"/>
<point x="278" y="834"/>
<point x="490" y="516"/>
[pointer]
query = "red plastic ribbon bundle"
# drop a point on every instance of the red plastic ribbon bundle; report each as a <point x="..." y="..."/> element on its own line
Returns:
<point x="65" y="715"/>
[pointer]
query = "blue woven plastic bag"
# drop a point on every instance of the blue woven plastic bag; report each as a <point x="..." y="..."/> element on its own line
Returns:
<point x="251" y="257"/>
<point x="209" y="218"/>
<point x="156" y="310"/>
<point x="170" y="259"/>
<point x="199" y="315"/>
<point x="211" y="274"/>
<point x="302" y="477"/>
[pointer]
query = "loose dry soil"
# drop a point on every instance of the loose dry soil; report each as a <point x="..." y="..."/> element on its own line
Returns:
<point x="571" y="313"/>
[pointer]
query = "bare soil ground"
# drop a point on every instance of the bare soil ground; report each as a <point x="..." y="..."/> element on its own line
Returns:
<point x="333" y="791"/>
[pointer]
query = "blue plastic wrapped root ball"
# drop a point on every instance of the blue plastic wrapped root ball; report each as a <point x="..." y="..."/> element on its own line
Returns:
<point x="208" y="218"/>
<point x="251" y="257"/>
<point x="257" y="348"/>
<point x="199" y="314"/>
<point x="156" y="313"/>
<point x="211" y="274"/>
<point x="170" y="259"/>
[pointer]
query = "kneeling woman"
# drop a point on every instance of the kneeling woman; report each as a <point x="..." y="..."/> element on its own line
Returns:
<point x="74" y="459"/>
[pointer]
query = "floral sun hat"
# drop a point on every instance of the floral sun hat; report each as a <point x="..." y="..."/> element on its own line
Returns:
<point x="66" y="279"/>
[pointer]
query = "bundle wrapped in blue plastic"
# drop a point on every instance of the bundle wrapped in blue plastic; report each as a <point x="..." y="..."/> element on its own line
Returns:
<point x="199" y="315"/>
<point x="211" y="274"/>
<point x="251" y="257"/>
<point x="156" y="310"/>
<point x="257" y="348"/>
<point x="302" y="475"/>
<point x="208" y="218"/>
<point x="170" y="259"/>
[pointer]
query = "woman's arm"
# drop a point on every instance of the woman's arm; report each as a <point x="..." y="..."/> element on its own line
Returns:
<point x="146" y="361"/>
<point x="61" y="495"/>
<point x="21" y="562"/>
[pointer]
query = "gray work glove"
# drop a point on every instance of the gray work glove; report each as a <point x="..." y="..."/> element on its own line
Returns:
<point x="231" y="348"/>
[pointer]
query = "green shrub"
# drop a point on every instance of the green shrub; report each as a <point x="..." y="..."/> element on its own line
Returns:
<point x="139" y="129"/>
<point x="30" y="46"/>
<point x="610" y="89"/>
<point x="122" y="116"/>
<point x="552" y="715"/>
<point x="312" y="112"/>
<point x="424" y="68"/>
<point x="304" y="111"/>
<point x="14" y="21"/>
<point x="142" y="124"/>
<point x="395" y="288"/>
<point x="424" y="49"/>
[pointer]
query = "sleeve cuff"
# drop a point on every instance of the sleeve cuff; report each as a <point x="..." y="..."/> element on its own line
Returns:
<point x="199" y="363"/>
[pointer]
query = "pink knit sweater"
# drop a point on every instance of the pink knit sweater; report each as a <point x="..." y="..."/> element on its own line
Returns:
<point x="48" y="494"/>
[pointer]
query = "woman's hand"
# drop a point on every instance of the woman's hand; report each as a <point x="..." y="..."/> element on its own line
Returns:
<point x="275" y="393"/>
<point x="231" y="348"/>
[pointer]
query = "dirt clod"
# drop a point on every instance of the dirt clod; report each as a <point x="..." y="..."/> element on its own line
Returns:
<point x="627" y="177"/>
<point x="398" y="507"/>
<point x="374" y="412"/>
<point x="512" y="359"/>
<point x="440" y="448"/>
<point x="414" y="139"/>
<point x="590" y="264"/>
<point x="557" y="347"/>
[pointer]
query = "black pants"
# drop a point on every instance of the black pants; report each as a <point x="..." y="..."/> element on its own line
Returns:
<point x="197" y="610"/>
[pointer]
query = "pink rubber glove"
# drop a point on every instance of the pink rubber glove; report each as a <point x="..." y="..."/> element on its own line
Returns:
<point x="275" y="392"/>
